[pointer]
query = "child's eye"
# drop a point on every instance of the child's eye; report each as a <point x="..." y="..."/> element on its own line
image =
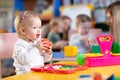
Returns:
<point x="34" y="27"/>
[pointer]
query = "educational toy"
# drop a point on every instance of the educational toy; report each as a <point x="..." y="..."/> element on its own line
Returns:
<point x="59" y="68"/>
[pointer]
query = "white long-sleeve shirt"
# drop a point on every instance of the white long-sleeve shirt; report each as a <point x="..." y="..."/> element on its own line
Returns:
<point x="76" y="40"/>
<point x="26" y="56"/>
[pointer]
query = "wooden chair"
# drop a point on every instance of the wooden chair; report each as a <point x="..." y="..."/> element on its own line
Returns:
<point x="7" y="41"/>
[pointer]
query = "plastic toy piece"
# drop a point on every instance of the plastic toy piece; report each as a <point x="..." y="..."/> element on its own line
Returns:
<point x="47" y="42"/>
<point x="114" y="47"/>
<point x="93" y="55"/>
<point x="85" y="77"/>
<point x="95" y="49"/>
<point x="105" y="43"/>
<point x="80" y="59"/>
<point x="112" y="77"/>
<point x="59" y="68"/>
<point x="118" y="48"/>
<point x="70" y="51"/>
<point x="118" y="54"/>
<point x="97" y="76"/>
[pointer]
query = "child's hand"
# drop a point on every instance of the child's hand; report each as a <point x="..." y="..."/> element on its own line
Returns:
<point x="92" y="42"/>
<point x="86" y="40"/>
<point x="44" y="45"/>
<point x="89" y="41"/>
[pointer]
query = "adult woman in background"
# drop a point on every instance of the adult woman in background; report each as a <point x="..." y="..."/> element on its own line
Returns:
<point x="113" y="19"/>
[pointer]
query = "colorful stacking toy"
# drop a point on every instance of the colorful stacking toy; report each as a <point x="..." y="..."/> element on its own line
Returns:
<point x="106" y="57"/>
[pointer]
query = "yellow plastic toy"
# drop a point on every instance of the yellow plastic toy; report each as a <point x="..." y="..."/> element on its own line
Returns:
<point x="93" y="55"/>
<point x="70" y="51"/>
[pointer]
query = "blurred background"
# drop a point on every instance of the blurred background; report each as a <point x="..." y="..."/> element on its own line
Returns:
<point x="48" y="9"/>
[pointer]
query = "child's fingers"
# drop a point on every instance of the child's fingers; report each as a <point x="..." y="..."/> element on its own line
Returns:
<point x="92" y="42"/>
<point x="48" y="47"/>
<point x="48" y="51"/>
<point x="44" y="48"/>
<point x="47" y="44"/>
<point x="44" y="44"/>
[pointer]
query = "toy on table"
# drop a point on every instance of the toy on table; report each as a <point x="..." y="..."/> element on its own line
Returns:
<point x="95" y="49"/>
<point x="96" y="76"/>
<point x="106" y="58"/>
<point x="59" y="68"/>
<point x="70" y="51"/>
<point x="80" y="59"/>
<point x="64" y="68"/>
<point x="105" y="43"/>
<point x="48" y="43"/>
<point x="85" y="77"/>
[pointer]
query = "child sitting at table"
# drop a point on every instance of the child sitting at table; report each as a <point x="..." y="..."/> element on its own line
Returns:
<point x="57" y="27"/>
<point x="30" y="49"/>
<point x="82" y="39"/>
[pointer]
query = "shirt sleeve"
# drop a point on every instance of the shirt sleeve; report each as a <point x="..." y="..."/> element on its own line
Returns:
<point x="74" y="40"/>
<point x="25" y="55"/>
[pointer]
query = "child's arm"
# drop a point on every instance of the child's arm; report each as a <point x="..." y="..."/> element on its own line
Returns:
<point x="92" y="40"/>
<point x="75" y="40"/>
<point x="25" y="54"/>
<point x="47" y="57"/>
<point x="45" y="48"/>
<point x="79" y="40"/>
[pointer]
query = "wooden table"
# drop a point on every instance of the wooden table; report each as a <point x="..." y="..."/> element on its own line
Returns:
<point x="106" y="70"/>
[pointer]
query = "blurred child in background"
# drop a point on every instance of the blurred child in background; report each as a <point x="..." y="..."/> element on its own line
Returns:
<point x="57" y="27"/>
<point x="67" y="22"/>
<point x="30" y="49"/>
<point x="82" y="39"/>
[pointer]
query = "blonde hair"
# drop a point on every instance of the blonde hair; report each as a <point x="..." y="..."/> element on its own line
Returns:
<point x="114" y="11"/>
<point x="82" y="19"/>
<point x="20" y="19"/>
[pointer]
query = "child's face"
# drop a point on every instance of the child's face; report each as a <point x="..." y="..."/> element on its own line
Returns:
<point x="83" y="29"/>
<point x="32" y="29"/>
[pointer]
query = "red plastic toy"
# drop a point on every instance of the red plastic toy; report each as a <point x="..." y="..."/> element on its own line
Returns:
<point x="47" y="42"/>
<point x="59" y="68"/>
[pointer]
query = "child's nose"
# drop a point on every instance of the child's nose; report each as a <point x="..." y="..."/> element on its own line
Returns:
<point x="39" y="30"/>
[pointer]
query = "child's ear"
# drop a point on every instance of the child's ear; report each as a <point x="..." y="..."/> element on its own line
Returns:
<point x="22" y="30"/>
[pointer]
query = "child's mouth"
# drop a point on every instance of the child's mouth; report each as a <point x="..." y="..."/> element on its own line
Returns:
<point x="37" y="35"/>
